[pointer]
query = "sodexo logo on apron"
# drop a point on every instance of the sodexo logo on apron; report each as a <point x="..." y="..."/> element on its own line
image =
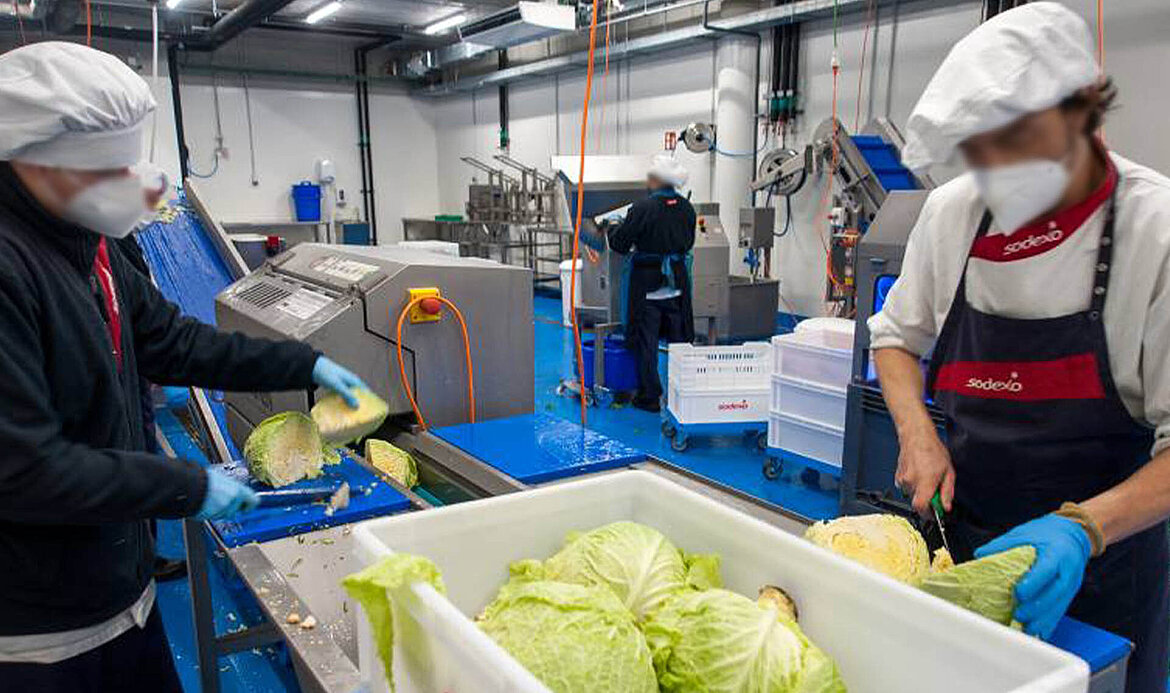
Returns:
<point x="1072" y="377"/>
<point x="1012" y="384"/>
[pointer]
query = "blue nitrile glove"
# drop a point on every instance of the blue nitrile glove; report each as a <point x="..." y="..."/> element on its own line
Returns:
<point x="1062" y="552"/>
<point x="331" y="376"/>
<point x="225" y="497"/>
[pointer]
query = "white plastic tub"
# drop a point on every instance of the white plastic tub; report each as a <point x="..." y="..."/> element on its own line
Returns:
<point x="808" y="356"/>
<point x="820" y="403"/>
<point x="885" y="636"/>
<point x="834" y="332"/>
<point x="807" y="438"/>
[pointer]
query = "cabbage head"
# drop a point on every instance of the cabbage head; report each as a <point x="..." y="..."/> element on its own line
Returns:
<point x="341" y="425"/>
<point x="393" y="460"/>
<point x="575" y="639"/>
<point x="375" y="588"/>
<point x="716" y="641"/>
<point x="637" y="562"/>
<point x="284" y="449"/>
<point x="886" y="543"/>
<point x="986" y="585"/>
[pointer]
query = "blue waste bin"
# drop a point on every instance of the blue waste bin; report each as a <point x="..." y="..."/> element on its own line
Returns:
<point x="307" y="201"/>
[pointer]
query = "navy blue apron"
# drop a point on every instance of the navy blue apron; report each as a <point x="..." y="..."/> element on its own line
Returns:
<point x="1034" y="419"/>
<point x="667" y="266"/>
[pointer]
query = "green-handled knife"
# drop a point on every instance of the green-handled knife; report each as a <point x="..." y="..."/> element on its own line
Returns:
<point x="939" y="512"/>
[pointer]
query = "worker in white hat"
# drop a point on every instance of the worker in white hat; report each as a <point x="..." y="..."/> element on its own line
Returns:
<point x="1041" y="281"/>
<point x="78" y="329"/>
<point x="656" y="238"/>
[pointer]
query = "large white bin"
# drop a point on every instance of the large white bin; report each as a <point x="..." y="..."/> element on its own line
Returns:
<point x="885" y="636"/>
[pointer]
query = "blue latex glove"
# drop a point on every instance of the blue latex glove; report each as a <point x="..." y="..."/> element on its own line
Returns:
<point x="1062" y="552"/>
<point x="225" y="497"/>
<point x="331" y="376"/>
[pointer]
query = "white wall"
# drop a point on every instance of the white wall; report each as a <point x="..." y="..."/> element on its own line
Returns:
<point x="653" y="94"/>
<point x="293" y="127"/>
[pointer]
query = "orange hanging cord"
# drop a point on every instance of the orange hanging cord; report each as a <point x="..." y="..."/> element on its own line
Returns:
<point x="580" y="214"/>
<point x="466" y="351"/>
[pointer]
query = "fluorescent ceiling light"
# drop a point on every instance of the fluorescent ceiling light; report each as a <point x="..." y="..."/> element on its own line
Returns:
<point x="323" y="12"/>
<point x="172" y="4"/>
<point x="445" y="24"/>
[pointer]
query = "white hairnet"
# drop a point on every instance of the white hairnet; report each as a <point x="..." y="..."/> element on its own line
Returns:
<point x="63" y="104"/>
<point x="1021" y="61"/>
<point x="668" y="170"/>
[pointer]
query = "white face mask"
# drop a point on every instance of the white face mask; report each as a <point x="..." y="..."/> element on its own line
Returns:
<point x="1019" y="193"/>
<point x="111" y="207"/>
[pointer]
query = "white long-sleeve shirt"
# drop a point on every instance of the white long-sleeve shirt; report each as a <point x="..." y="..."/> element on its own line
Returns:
<point x="1048" y="273"/>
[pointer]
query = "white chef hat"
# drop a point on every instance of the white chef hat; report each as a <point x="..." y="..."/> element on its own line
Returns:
<point x="63" y="104"/>
<point x="668" y="170"/>
<point x="1021" y="61"/>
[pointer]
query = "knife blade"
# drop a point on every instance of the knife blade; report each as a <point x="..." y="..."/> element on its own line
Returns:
<point x="939" y="512"/>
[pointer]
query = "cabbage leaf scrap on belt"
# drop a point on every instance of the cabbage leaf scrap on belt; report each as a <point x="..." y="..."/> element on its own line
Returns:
<point x="986" y="585"/>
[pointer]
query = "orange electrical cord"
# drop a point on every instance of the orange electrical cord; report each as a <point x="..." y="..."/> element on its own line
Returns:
<point x="580" y="213"/>
<point x="466" y="350"/>
<point x="88" y="24"/>
<point x="1101" y="34"/>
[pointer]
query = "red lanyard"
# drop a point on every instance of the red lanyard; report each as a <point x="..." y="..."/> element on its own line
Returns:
<point x="105" y="279"/>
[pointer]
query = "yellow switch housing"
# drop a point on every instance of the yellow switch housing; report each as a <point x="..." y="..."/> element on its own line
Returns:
<point x="417" y="314"/>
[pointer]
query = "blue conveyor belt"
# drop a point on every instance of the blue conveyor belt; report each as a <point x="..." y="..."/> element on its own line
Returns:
<point x="535" y="448"/>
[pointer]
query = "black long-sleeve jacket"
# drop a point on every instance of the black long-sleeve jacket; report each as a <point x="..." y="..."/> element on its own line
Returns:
<point x="76" y="484"/>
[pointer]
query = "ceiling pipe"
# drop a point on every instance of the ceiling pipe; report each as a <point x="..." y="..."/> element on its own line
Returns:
<point x="799" y="11"/>
<point x="245" y="16"/>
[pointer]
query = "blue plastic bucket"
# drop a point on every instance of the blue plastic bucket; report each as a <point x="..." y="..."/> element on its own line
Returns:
<point x="621" y="368"/>
<point x="307" y="201"/>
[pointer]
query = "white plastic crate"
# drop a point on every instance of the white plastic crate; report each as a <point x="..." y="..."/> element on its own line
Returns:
<point x="719" y="368"/>
<point x="807" y="438"/>
<point x="807" y="356"/>
<point x="885" y="636"/>
<point x="833" y="332"/>
<point x="708" y="406"/>
<point x="808" y="400"/>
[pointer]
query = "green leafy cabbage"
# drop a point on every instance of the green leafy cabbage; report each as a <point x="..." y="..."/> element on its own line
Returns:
<point x="986" y="585"/>
<point x="374" y="589"/>
<point x="716" y="641"/>
<point x="573" y="638"/>
<point x="392" y="460"/>
<point x="637" y="562"/>
<point x="886" y="543"/>
<point x="341" y="424"/>
<point x="284" y="449"/>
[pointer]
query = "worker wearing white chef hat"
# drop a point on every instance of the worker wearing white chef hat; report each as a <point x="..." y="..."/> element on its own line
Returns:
<point x="1041" y="281"/>
<point x="655" y="239"/>
<point x="79" y="330"/>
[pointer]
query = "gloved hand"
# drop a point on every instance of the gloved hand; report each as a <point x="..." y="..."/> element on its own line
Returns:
<point x="225" y="497"/>
<point x="331" y="376"/>
<point x="1062" y="552"/>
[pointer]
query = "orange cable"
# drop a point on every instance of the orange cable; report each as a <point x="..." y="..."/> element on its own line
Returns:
<point x="88" y="24"/>
<point x="1101" y="34"/>
<point x="466" y="350"/>
<point x="580" y="214"/>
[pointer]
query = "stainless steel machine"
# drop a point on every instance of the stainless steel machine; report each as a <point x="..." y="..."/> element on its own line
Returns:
<point x="345" y="301"/>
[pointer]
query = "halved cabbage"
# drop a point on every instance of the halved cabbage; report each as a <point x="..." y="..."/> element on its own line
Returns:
<point x="284" y="449"/>
<point x="341" y="425"/>
<point x="392" y="460"/>
<point x="886" y="543"/>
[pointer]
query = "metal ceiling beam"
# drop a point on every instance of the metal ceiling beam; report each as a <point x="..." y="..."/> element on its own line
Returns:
<point x="799" y="11"/>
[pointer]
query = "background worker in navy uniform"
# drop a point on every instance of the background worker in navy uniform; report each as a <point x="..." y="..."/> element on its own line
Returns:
<point x="1041" y="280"/>
<point x="656" y="237"/>
<point x="79" y="330"/>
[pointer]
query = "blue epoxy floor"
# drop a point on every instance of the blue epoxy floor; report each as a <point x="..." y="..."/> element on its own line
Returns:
<point x="732" y="461"/>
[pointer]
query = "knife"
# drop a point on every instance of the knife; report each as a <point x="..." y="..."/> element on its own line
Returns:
<point x="939" y="512"/>
<point x="338" y="497"/>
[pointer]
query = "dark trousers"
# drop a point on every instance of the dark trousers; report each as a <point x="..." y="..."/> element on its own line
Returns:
<point x="656" y="320"/>
<point x="137" y="661"/>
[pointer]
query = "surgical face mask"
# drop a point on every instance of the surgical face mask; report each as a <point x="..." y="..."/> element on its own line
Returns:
<point x="1019" y="193"/>
<point x="112" y="207"/>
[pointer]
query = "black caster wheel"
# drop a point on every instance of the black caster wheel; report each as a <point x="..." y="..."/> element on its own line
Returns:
<point x="679" y="443"/>
<point x="772" y="469"/>
<point x="810" y="477"/>
<point x="668" y="430"/>
<point x="762" y="440"/>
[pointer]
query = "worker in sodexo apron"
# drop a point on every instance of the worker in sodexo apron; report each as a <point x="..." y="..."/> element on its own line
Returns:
<point x="656" y="237"/>
<point x="79" y="330"/>
<point x="1041" y="279"/>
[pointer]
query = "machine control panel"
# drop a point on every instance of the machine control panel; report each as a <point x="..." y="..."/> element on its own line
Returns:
<point x="756" y="226"/>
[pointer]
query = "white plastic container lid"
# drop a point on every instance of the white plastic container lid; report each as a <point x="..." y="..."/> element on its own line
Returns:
<point x="834" y="332"/>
